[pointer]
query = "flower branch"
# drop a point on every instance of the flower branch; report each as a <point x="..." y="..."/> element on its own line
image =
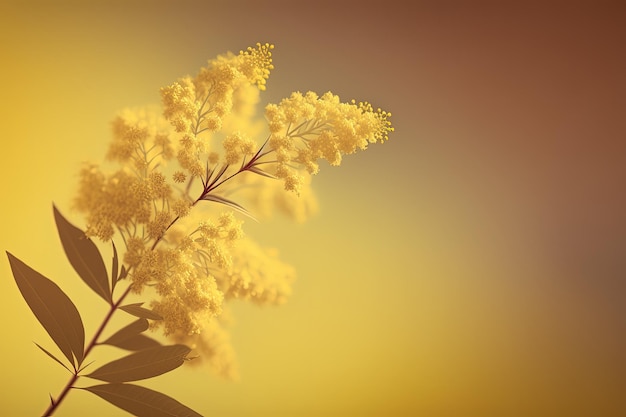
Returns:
<point x="205" y="121"/>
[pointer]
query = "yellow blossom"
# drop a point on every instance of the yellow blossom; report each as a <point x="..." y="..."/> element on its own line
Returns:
<point x="151" y="268"/>
<point x="181" y="207"/>
<point x="157" y="227"/>
<point x="238" y="146"/>
<point x="109" y="201"/>
<point x="179" y="177"/>
<point x="188" y="296"/>
<point x="214" y="241"/>
<point x="306" y="128"/>
<point x="179" y="316"/>
<point x="180" y="251"/>
<point x="257" y="274"/>
<point x="212" y="346"/>
<point x="180" y="104"/>
<point x="140" y="134"/>
<point x="135" y="247"/>
<point x="158" y="187"/>
<point x="256" y="64"/>
<point x="213" y="158"/>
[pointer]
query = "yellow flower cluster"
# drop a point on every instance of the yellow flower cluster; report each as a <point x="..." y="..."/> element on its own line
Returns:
<point x="212" y="240"/>
<point x="179" y="162"/>
<point x="129" y="198"/>
<point x="306" y="128"/>
<point x="113" y="202"/>
<point x="203" y="103"/>
<point x="212" y="347"/>
<point x="189" y="297"/>
<point x="182" y="276"/>
<point x="238" y="146"/>
<point x="141" y="135"/>
<point x="180" y="104"/>
<point x="257" y="275"/>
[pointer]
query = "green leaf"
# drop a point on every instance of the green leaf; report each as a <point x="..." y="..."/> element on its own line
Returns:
<point x="138" y="311"/>
<point x="52" y="356"/>
<point x="114" y="268"/>
<point x="141" y="401"/>
<point x="130" y="337"/>
<point x="84" y="256"/>
<point x="143" y="364"/>
<point x="229" y="203"/>
<point x="54" y="310"/>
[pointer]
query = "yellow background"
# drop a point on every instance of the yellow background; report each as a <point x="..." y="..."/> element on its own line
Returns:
<point x="471" y="266"/>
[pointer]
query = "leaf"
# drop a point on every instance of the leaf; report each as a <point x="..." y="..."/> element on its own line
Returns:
<point x="137" y="342"/>
<point x="85" y="367"/>
<point x="84" y="256"/>
<point x="261" y="172"/>
<point x="54" y="310"/>
<point x="130" y="330"/>
<point x="52" y="356"/>
<point x="114" y="268"/>
<point x="130" y="337"/>
<point x="123" y="273"/>
<point x="229" y="203"/>
<point x="141" y="365"/>
<point x="138" y="311"/>
<point x="141" y="401"/>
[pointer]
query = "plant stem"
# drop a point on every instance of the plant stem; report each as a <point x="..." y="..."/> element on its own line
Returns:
<point x="54" y="404"/>
<point x="216" y="183"/>
<point x="70" y="384"/>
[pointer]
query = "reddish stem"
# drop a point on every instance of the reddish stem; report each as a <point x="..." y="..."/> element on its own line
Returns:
<point x="94" y="341"/>
<point x="54" y="404"/>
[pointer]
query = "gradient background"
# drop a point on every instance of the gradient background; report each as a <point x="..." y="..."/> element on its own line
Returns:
<point x="473" y="265"/>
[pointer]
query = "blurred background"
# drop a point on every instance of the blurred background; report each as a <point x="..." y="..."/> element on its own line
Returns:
<point x="473" y="265"/>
